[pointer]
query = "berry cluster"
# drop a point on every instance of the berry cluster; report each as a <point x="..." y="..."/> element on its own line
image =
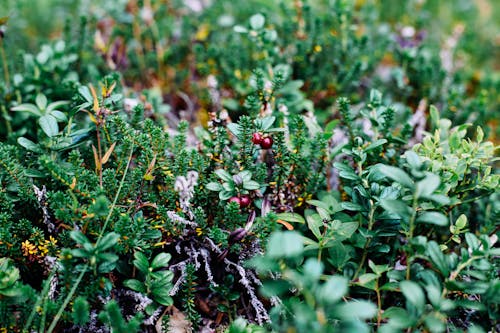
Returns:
<point x="265" y="142"/>
<point x="243" y="201"/>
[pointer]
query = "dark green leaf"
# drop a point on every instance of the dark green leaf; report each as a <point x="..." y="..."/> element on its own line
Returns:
<point x="413" y="294"/>
<point x="433" y="218"/>
<point x="161" y="260"/>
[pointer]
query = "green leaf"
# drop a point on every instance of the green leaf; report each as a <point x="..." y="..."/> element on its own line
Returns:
<point x="397" y="175"/>
<point x="235" y="129"/>
<point x="461" y="222"/>
<point x="352" y="207"/>
<point x="141" y="262"/>
<point x="224" y="195"/>
<point x="367" y="280"/>
<point x="291" y="217"/>
<point x="48" y="123"/>
<point x="108" y="241"/>
<point x="376" y="144"/>
<point x="53" y="106"/>
<point x="27" y="108"/>
<point x="265" y="123"/>
<point x="413" y="294"/>
<point x="433" y="218"/>
<point x="396" y="206"/>
<point x="434" y="113"/>
<point x="135" y="285"/>
<point x="41" y="101"/>
<point x="161" y="260"/>
<point x="240" y="29"/>
<point x="413" y="159"/>
<point x="356" y="310"/>
<point x="285" y="244"/>
<point x="79" y="237"/>
<point x="428" y="185"/>
<point x="28" y="144"/>
<point x="314" y="222"/>
<point x="224" y="175"/>
<point x="334" y="289"/>
<point x="251" y="185"/>
<point x="163" y="299"/>
<point x="257" y="21"/>
<point x="59" y="116"/>
<point x="438" y="258"/>
<point x="472" y="241"/>
<point x="213" y="186"/>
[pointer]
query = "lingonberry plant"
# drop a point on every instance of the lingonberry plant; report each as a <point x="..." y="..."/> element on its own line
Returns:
<point x="301" y="166"/>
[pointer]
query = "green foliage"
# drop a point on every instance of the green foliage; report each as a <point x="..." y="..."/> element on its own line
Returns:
<point x="153" y="154"/>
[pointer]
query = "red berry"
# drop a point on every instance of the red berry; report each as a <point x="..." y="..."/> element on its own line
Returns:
<point x="267" y="142"/>
<point x="235" y="199"/>
<point x="256" y="138"/>
<point x="245" y="201"/>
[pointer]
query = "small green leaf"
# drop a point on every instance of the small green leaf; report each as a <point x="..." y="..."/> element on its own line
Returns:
<point x="291" y="217"/>
<point x="251" y="185"/>
<point x="235" y="129"/>
<point x="79" y="237"/>
<point x="48" y="123"/>
<point x="433" y="218"/>
<point x="213" y="186"/>
<point x="438" y="258"/>
<point x="334" y="289"/>
<point x="108" y="241"/>
<point x="163" y="299"/>
<point x="135" y="285"/>
<point x="240" y="29"/>
<point x="141" y="262"/>
<point x="285" y="244"/>
<point x="59" y="116"/>
<point x="428" y="185"/>
<point x="41" y="101"/>
<point x="224" y="175"/>
<point x="28" y="144"/>
<point x="376" y="144"/>
<point x="356" y="310"/>
<point x="461" y="222"/>
<point x="397" y="175"/>
<point x="396" y="206"/>
<point x="161" y="260"/>
<point x="434" y="113"/>
<point x="27" y="108"/>
<point x="413" y="293"/>
<point x="257" y="21"/>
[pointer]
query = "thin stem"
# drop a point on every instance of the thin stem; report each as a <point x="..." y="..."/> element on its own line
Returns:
<point x="379" y="304"/>
<point x="371" y="222"/>
<point x="5" y="65"/>
<point x="67" y="299"/>
<point x="117" y="194"/>
<point x="410" y="233"/>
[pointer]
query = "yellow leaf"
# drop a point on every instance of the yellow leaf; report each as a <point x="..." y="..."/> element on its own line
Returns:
<point x="106" y="156"/>
<point x="96" y="100"/>
<point x="96" y="158"/>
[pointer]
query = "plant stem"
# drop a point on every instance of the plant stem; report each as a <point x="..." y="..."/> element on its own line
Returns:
<point x="117" y="194"/>
<point x="5" y="65"/>
<point x="67" y="299"/>
<point x="410" y="233"/>
<point x="371" y="222"/>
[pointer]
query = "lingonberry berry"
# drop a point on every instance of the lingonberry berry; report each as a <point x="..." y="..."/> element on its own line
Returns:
<point x="235" y="199"/>
<point x="245" y="201"/>
<point x="256" y="138"/>
<point x="267" y="142"/>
